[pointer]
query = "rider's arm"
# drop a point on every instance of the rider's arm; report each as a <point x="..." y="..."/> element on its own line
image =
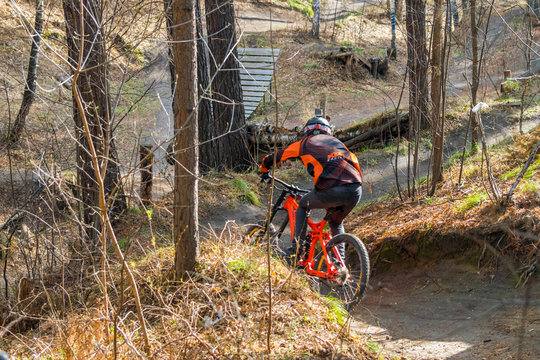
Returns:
<point x="355" y="163"/>
<point x="291" y="151"/>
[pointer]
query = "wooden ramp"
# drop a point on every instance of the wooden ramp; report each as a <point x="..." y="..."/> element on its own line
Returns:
<point x="256" y="70"/>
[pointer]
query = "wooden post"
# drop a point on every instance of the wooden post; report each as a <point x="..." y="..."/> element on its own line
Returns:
<point x="375" y="67"/>
<point x="507" y="75"/>
<point x="147" y="158"/>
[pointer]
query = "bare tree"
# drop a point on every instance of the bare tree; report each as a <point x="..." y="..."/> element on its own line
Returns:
<point x="417" y="66"/>
<point x="316" y="25"/>
<point x="455" y="13"/>
<point x="30" y="84"/>
<point x="437" y="129"/>
<point x="186" y="168"/>
<point x="85" y="41"/>
<point x="393" y="54"/>
<point x="400" y="5"/>
<point x="475" y="73"/>
<point x="208" y="155"/>
<point x="228" y="111"/>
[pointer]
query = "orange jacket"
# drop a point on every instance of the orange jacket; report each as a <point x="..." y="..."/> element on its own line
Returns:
<point x="326" y="159"/>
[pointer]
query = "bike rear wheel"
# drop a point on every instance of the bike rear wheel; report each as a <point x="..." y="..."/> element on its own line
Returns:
<point x="351" y="284"/>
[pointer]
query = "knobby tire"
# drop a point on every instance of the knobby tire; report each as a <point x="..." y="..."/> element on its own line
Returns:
<point x="357" y="264"/>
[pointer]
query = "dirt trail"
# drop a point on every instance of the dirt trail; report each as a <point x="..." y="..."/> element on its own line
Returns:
<point x="450" y="311"/>
<point x="260" y="17"/>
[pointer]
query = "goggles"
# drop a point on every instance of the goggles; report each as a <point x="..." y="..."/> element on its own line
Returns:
<point x="324" y="128"/>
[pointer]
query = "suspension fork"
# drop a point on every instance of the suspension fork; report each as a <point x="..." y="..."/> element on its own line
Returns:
<point x="273" y="211"/>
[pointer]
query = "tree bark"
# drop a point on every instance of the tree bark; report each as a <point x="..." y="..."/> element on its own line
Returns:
<point x="93" y="89"/>
<point x="475" y="75"/>
<point x="316" y="25"/>
<point x="455" y="13"/>
<point x="437" y="131"/>
<point x="169" y="22"/>
<point x="30" y="85"/>
<point x="393" y="54"/>
<point x="417" y="66"/>
<point x="399" y="10"/>
<point x="226" y="87"/>
<point x="208" y="155"/>
<point x="186" y="169"/>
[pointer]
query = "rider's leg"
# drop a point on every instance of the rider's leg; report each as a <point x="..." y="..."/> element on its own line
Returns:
<point x="300" y="227"/>
<point x="348" y="196"/>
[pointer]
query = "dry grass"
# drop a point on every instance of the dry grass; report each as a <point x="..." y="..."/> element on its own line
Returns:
<point x="220" y="311"/>
<point x="462" y="212"/>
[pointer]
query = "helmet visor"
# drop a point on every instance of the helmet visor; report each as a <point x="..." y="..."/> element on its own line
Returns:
<point x="322" y="127"/>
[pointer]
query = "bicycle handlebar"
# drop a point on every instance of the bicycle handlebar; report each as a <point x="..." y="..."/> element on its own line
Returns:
<point x="292" y="188"/>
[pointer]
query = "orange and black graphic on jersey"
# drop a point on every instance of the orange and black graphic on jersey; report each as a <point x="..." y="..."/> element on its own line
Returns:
<point x="326" y="159"/>
<point x="336" y="156"/>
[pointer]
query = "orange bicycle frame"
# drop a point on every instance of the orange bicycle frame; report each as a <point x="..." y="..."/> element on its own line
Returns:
<point x="316" y="235"/>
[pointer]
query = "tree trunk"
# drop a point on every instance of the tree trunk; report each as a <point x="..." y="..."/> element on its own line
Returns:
<point x="93" y="89"/>
<point x="417" y="66"/>
<point x="475" y="75"/>
<point x="226" y="87"/>
<point x="208" y="155"/>
<point x="393" y="53"/>
<point x="169" y="21"/>
<point x="30" y="85"/>
<point x="399" y="10"/>
<point x="186" y="168"/>
<point x="316" y="6"/>
<point x="436" y="86"/>
<point x="455" y="13"/>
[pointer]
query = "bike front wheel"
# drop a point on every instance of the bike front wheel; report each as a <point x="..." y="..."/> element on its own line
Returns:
<point x="350" y="284"/>
<point x="255" y="235"/>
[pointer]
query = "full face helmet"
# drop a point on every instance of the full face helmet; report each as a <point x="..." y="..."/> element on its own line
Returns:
<point x="317" y="125"/>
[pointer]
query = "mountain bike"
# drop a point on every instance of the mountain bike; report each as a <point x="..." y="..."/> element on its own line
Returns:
<point x="339" y="263"/>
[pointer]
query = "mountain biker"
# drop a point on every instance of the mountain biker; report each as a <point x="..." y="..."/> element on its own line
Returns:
<point x="337" y="178"/>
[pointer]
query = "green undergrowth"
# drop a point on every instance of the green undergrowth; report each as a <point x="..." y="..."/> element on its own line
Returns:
<point x="244" y="191"/>
<point x="471" y="201"/>
<point x="514" y="172"/>
<point x="303" y="6"/>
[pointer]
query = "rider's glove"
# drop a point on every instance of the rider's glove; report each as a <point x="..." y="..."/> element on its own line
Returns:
<point x="265" y="176"/>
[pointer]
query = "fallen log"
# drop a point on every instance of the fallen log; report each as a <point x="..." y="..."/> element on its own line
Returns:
<point x="382" y="120"/>
<point x="376" y="129"/>
<point x="269" y="139"/>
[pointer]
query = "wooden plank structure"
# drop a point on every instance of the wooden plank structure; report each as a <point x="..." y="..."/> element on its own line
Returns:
<point x="256" y="71"/>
